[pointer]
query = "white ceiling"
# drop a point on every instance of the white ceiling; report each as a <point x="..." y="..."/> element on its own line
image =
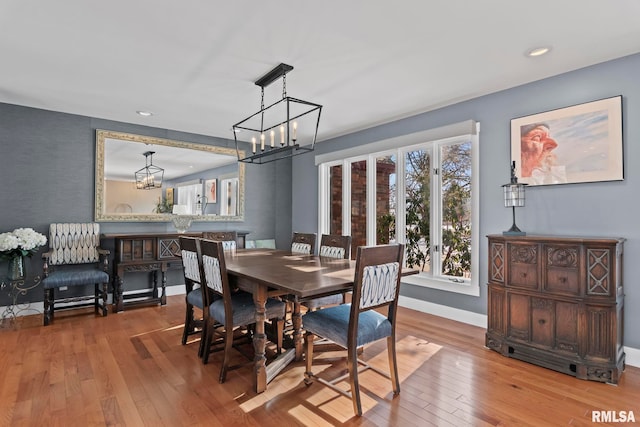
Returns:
<point x="193" y="63"/>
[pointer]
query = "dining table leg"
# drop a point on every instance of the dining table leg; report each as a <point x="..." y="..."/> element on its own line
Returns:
<point x="260" y="339"/>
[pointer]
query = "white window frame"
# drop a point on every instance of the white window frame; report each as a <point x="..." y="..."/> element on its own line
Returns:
<point x="399" y="146"/>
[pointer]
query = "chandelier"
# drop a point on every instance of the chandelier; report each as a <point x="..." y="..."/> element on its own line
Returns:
<point x="284" y="129"/>
<point x="150" y="176"/>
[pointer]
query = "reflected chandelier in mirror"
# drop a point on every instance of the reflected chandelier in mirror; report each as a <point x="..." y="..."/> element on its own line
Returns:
<point x="193" y="173"/>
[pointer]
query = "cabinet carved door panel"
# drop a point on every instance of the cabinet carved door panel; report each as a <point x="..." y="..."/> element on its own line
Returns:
<point x="518" y="323"/>
<point x="567" y="327"/>
<point x="542" y="311"/>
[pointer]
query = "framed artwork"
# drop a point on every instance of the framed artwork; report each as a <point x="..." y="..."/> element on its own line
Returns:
<point x="581" y="143"/>
<point x="211" y="190"/>
<point x="230" y="196"/>
<point x="170" y="196"/>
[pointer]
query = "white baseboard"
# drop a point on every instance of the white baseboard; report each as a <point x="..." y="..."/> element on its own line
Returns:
<point x="468" y="317"/>
<point x="480" y="320"/>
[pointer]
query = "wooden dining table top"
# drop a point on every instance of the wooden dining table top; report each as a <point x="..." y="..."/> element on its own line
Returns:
<point x="298" y="275"/>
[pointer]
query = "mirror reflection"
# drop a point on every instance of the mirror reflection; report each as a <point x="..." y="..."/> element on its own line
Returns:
<point x="140" y="178"/>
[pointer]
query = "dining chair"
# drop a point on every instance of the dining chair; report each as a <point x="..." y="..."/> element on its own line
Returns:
<point x="303" y="243"/>
<point x="232" y="310"/>
<point x="228" y="238"/>
<point x="331" y="246"/>
<point x="266" y="243"/>
<point x="351" y="326"/>
<point x="189" y="250"/>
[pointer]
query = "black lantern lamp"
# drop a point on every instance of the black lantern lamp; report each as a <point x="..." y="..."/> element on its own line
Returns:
<point x="150" y="176"/>
<point x="513" y="197"/>
<point x="284" y="129"/>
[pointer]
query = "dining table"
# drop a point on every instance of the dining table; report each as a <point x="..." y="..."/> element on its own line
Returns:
<point x="267" y="273"/>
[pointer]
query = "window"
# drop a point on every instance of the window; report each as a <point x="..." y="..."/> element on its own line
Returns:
<point x="421" y="193"/>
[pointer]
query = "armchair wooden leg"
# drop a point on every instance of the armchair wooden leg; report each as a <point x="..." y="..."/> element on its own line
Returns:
<point x="48" y="306"/>
<point x="105" y="307"/>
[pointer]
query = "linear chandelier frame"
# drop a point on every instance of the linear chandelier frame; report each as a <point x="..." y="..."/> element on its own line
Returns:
<point x="282" y="118"/>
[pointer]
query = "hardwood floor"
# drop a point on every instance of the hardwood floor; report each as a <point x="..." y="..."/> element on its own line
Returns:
<point x="130" y="369"/>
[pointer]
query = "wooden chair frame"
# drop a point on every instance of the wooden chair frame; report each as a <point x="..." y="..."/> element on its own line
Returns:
<point x="366" y="256"/>
<point x="215" y="249"/>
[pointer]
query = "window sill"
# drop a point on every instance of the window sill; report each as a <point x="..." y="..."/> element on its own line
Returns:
<point x="427" y="281"/>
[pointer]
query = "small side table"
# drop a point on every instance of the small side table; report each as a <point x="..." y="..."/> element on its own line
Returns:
<point x="14" y="288"/>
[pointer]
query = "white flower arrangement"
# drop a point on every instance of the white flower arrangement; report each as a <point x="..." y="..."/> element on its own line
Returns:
<point x="20" y="242"/>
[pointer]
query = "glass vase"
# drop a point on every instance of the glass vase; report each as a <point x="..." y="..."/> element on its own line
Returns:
<point x="16" y="268"/>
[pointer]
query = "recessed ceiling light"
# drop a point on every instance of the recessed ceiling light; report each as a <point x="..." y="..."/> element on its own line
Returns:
<point x="538" y="51"/>
<point x="145" y="113"/>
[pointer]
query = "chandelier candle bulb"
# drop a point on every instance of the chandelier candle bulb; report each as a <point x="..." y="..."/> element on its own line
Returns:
<point x="281" y="135"/>
<point x="253" y="142"/>
<point x="262" y="141"/>
<point x="295" y="131"/>
<point x="273" y="137"/>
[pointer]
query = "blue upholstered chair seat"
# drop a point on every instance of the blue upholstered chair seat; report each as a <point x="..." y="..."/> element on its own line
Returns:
<point x="244" y="310"/>
<point x="333" y="323"/>
<point x="194" y="298"/>
<point x="74" y="278"/>
<point x="324" y="301"/>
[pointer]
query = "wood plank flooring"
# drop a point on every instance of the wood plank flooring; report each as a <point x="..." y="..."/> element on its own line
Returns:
<point x="129" y="369"/>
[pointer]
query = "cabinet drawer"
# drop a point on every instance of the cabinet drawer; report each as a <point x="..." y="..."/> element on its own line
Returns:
<point x="523" y="266"/>
<point x="562" y="281"/>
<point x="523" y="276"/>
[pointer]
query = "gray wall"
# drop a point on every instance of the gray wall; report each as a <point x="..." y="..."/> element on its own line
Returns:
<point x="608" y="209"/>
<point x="47" y="172"/>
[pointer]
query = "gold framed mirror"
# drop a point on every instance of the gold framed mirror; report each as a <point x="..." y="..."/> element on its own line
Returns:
<point x="206" y="181"/>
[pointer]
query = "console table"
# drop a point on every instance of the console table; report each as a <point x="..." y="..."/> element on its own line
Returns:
<point x="147" y="252"/>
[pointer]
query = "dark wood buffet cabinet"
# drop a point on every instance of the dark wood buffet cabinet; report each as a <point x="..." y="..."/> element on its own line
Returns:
<point x="558" y="302"/>
<point x="152" y="253"/>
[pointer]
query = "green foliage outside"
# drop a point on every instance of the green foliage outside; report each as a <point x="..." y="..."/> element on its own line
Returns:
<point x="456" y="213"/>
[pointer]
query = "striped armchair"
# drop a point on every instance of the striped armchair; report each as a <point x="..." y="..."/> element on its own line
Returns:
<point x="73" y="262"/>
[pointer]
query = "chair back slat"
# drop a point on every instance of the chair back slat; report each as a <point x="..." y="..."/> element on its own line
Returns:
<point x="228" y="238"/>
<point x="214" y="267"/>
<point x="377" y="277"/>
<point x="74" y="243"/>
<point x="379" y="284"/>
<point x="335" y="246"/>
<point x="212" y="273"/>
<point x="303" y="243"/>
<point x="189" y="248"/>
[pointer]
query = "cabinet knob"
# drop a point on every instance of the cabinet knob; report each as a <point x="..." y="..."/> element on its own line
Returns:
<point x="563" y="280"/>
<point x="542" y="321"/>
